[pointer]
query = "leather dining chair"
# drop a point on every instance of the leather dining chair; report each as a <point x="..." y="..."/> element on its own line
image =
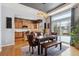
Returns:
<point x="55" y="35"/>
<point x="38" y="33"/>
<point x="31" y="42"/>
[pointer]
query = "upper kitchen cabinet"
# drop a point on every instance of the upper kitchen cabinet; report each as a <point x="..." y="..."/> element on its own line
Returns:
<point x="18" y="23"/>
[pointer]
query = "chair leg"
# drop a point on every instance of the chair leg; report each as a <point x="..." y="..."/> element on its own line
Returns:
<point x="41" y="50"/>
<point x="45" y="51"/>
<point x="29" y="49"/>
<point x="32" y="50"/>
<point x="60" y="46"/>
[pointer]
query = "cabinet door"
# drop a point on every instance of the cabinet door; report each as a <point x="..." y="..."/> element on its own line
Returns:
<point x="35" y="26"/>
<point x="18" y="23"/>
<point x="19" y="34"/>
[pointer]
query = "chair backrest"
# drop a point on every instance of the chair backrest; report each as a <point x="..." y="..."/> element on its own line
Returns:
<point x="30" y="39"/>
<point x="54" y="33"/>
<point x="38" y="34"/>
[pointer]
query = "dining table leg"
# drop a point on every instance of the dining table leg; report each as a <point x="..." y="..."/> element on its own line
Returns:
<point x="38" y="49"/>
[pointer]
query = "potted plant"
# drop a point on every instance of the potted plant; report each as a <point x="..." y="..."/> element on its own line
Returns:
<point x="75" y="36"/>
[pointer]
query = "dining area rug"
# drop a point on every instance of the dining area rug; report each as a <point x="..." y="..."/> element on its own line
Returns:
<point x="52" y="51"/>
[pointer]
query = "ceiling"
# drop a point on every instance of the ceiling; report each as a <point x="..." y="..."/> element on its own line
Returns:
<point x="45" y="7"/>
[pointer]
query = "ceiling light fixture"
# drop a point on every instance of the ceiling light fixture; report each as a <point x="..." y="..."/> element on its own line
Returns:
<point x="42" y="14"/>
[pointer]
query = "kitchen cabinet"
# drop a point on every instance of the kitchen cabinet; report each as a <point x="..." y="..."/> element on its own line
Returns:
<point x="19" y="34"/>
<point x="18" y="23"/>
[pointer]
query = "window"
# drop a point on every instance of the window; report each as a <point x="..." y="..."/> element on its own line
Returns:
<point x="61" y="23"/>
<point x="62" y="15"/>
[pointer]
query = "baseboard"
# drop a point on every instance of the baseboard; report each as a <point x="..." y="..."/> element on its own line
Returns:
<point x="7" y="45"/>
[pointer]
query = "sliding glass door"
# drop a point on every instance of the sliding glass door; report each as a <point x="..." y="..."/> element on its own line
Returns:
<point x="61" y="23"/>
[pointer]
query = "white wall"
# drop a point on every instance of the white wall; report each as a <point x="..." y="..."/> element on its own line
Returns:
<point x="7" y="34"/>
<point x="21" y="10"/>
<point x="14" y="10"/>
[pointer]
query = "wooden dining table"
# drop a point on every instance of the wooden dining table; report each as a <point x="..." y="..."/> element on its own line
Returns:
<point x="43" y="39"/>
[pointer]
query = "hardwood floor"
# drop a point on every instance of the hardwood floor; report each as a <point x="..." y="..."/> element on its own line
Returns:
<point x="15" y="50"/>
<point x="71" y="51"/>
